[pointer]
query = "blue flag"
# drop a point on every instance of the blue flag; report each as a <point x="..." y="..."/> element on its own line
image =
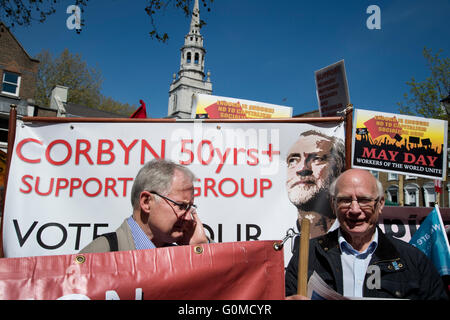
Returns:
<point x="432" y="240"/>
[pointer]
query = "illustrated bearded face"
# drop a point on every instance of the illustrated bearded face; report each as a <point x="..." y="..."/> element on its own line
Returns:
<point x="309" y="170"/>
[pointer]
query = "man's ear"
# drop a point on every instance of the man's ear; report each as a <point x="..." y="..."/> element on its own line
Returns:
<point x="381" y="205"/>
<point x="146" y="200"/>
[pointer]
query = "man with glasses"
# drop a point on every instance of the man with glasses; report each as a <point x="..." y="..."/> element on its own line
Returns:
<point x="358" y="259"/>
<point x="164" y="212"/>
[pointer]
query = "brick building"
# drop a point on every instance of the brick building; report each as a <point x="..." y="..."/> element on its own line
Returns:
<point x="18" y="73"/>
<point x="417" y="191"/>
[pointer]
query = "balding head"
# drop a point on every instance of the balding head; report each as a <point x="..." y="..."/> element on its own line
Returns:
<point x="356" y="174"/>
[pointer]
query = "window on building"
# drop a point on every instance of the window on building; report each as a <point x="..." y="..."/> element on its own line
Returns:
<point x="429" y="196"/>
<point x="392" y="176"/>
<point x="412" y="195"/>
<point x="188" y="60"/>
<point x="4" y="123"/>
<point x="11" y="83"/>
<point x="392" y="193"/>
<point x="197" y="58"/>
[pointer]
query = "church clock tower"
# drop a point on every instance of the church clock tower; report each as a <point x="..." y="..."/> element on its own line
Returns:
<point x="190" y="78"/>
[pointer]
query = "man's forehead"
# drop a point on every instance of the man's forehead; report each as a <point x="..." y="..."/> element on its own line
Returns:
<point x="181" y="182"/>
<point x="358" y="184"/>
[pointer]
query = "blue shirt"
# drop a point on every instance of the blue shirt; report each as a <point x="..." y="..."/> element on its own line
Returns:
<point x="354" y="265"/>
<point x="141" y="240"/>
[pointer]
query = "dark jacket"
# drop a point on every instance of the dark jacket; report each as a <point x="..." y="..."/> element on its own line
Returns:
<point x="406" y="272"/>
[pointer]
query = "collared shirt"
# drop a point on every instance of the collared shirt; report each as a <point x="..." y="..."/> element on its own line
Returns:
<point x="141" y="240"/>
<point x="354" y="265"/>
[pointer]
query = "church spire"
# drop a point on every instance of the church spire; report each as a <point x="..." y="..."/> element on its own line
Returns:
<point x="195" y="20"/>
<point x="191" y="76"/>
<point x="193" y="53"/>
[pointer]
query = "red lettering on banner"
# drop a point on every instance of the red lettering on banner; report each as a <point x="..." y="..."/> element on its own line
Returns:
<point x="367" y="153"/>
<point x="127" y="149"/>
<point x="270" y="152"/>
<point x="73" y="186"/>
<point x="210" y="186"/>
<point x="222" y="158"/>
<point x="229" y="187"/>
<point x="236" y="187"/>
<point x="83" y="147"/>
<point x="409" y="158"/>
<point x="421" y="160"/>
<point x="206" y="153"/>
<point x="255" y="189"/>
<point x="382" y="155"/>
<point x="50" y="188"/>
<point x="432" y="160"/>
<point x="49" y="148"/>
<point x="19" y="150"/>
<point x="236" y="152"/>
<point x="393" y="154"/>
<point x="26" y="183"/>
<point x="250" y="153"/>
<point x="107" y="151"/>
<point x="84" y="152"/>
<point x="200" y="152"/>
<point x="90" y="187"/>
<point x="95" y="193"/>
<point x="125" y="180"/>
<point x="60" y="186"/>
<point x="189" y="152"/>
<point x="146" y="145"/>
<point x="262" y="187"/>
<point x="110" y="187"/>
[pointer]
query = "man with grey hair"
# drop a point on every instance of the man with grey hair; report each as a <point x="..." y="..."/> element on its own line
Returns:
<point x="358" y="259"/>
<point x="164" y="212"/>
<point x="313" y="162"/>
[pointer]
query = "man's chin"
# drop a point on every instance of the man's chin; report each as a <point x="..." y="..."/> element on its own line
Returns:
<point x="301" y="197"/>
<point x="314" y="200"/>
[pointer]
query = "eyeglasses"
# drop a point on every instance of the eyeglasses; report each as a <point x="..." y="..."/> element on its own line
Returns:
<point x="363" y="202"/>
<point x="183" y="206"/>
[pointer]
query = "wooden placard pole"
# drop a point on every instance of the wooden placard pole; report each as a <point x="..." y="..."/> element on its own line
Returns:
<point x="302" y="277"/>
<point x="348" y="136"/>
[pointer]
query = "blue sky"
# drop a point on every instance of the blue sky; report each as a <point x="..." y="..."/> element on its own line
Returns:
<point x="256" y="49"/>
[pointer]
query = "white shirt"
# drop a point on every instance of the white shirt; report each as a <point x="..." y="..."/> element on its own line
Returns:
<point x="354" y="265"/>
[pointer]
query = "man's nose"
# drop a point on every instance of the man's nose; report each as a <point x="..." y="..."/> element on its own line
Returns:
<point x="354" y="206"/>
<point x="187" y="215"/>
<point x="303" y="168"/>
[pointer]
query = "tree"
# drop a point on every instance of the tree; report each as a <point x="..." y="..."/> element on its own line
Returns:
<point x="24" y="12"/>
<point x="425" y="96"/>
<point x="184" y="5"/>
<point x="84" y="83"/>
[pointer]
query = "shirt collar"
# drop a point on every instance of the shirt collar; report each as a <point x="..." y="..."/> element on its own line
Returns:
<point x="347" y="247"/>
<point x="141" y="240"/>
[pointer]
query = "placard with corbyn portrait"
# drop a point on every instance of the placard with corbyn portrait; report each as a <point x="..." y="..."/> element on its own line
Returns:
<point x="400" y="144"/>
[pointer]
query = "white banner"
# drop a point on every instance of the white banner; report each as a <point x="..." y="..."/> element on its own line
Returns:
<point x="69" y="182"/>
